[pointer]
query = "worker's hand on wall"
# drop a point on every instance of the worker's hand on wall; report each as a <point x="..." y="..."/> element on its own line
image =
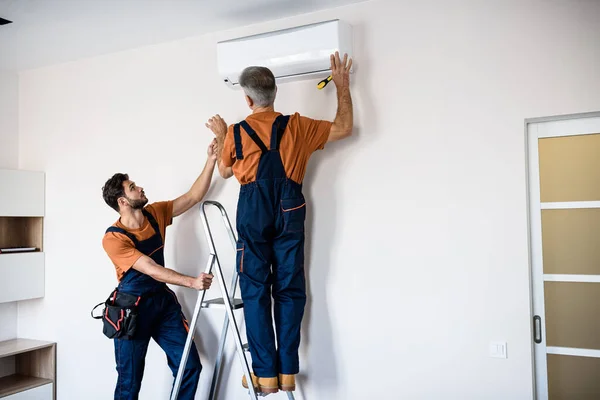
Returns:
<point x="340" y="70"/>
<point x="212" y="150"/>
<point x="203" y="281"/>
<point x="218" y="126"/>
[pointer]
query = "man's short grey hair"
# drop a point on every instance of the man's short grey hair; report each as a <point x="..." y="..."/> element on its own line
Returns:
<point x="259" y="84"/>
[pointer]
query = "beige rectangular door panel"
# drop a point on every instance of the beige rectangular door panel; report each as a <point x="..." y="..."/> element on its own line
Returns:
<point x="571" y="241"/>
<point x="573" y="378"/>
<point x="572" y="310"/>
<point x="569" y="168"/>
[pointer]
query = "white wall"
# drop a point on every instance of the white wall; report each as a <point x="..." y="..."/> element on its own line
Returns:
<point x="9" y="119"/>
<point x="8" y="316"/>
<point x="9" y="152"/>
<point x="418" y="247"/>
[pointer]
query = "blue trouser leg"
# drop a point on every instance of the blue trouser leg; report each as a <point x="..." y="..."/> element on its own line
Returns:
<point x="254" y="267"/>
<point x="130" y="356"/>
<point x="170" y="334"/>
<point x="159" y="317"/>
<point x="289" y="295"/>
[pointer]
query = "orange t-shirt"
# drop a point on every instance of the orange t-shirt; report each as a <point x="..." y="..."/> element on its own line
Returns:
<point x="120" y="248"/>
<point x="302" y="137"/>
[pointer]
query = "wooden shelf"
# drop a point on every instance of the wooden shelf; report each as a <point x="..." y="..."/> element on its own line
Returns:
<point x="35" y="365"/>
<point x="20" y="252"/>
<point x="17" y="346"/>
<point x="21" y="232"/>
<point x="19" y="383"/>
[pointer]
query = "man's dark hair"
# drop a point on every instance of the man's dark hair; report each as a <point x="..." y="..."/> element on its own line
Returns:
<point x="113" y="189"/>
<point x="259" y="84"/>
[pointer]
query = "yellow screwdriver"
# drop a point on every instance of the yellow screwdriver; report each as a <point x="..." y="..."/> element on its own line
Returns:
<point x="324" y="82"/>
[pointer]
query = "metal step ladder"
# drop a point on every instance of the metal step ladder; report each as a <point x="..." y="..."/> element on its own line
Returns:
<point x="228" y="302"/>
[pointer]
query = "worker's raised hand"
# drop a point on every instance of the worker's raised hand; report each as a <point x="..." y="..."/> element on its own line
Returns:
<point x="340" y="70"/>
<point x="217" y="125"/>
<point x="212" y="150"/>
<point x="203" y="281"/>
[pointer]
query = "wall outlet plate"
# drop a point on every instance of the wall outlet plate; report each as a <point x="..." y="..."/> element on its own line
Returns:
<point x="498" y="350"/>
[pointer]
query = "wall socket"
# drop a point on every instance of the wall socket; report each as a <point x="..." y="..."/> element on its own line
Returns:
<point x="498" y="350"/>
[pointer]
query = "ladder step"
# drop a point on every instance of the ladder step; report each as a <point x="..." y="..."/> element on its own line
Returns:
<point x="219" y="303"/>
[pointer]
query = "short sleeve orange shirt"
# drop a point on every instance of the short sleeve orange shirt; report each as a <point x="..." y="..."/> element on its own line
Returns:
<point x="303" y="136"/>
<point x="120" y="248"/>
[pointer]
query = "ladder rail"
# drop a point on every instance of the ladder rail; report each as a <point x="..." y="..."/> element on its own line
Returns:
<point x="219" y="360"/>
<point x="226" y="221"/>
<point x="229" y="318"/>
<point x="227" y="299"/>
<point x="238" y="340"/>
<point x="190" y="336"/>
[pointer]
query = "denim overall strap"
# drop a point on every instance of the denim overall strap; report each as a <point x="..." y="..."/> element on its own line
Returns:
<point x="252" y="133"/>
<point x="277" y="131"/>
<point x="237" y="137"/>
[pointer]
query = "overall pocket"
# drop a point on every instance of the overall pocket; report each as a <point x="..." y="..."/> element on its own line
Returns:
<point x="294" y="214"/>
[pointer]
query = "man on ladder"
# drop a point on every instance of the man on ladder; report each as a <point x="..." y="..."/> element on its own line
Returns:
<point x="268" y="153"/>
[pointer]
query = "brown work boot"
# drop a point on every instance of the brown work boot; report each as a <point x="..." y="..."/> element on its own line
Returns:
<point x="287" y="383"/>
<point x="262" y="385"/>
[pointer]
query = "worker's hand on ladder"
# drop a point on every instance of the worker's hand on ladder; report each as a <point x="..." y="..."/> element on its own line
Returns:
<point x="203" y="281"/>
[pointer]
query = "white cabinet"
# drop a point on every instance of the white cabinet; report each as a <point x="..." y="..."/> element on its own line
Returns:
<point x="22" y="193"/>
<point x="22" y="276"/>
<point x="22" y="207"/>
<point x="32" y="375"/>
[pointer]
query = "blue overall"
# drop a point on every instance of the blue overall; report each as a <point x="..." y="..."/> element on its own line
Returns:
<point x="270" y="257"/>
<point x="159" y="317"/>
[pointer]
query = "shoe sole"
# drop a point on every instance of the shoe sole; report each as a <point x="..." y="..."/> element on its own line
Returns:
<point x="287" y="388"/>
<point x="263" y="389"/>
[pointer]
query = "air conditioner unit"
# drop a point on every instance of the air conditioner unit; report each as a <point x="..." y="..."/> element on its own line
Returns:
<point x="292" y="54"/>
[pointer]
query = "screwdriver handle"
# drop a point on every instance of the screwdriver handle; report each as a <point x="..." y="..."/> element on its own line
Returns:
<point x="324" y="82"/>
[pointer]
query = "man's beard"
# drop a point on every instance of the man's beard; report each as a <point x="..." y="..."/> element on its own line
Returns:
<point x="137" y="204"/>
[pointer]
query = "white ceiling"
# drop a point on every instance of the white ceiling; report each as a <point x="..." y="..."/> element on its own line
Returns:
<point x="46" y="32"/>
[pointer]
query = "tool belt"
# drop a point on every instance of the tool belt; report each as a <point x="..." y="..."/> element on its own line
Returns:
<point x="119" y="315"/>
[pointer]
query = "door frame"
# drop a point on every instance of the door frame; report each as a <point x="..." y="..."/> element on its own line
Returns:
<point x="534" y="243"/>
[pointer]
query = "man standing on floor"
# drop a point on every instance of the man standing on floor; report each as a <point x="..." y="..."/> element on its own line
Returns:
<point x="135" y="245"/>
<point x="268" y="153"/>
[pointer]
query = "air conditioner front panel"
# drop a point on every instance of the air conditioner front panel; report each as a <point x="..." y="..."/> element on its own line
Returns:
<point x="296" y="51"/>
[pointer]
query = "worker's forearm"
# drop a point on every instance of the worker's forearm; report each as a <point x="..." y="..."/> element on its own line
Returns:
<point x="344" y="119"/>
<point x="225" y="172"/>
<point x="220" y="145"/>
<point x="202" y="183"/>
<point x="173" y="277"/>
